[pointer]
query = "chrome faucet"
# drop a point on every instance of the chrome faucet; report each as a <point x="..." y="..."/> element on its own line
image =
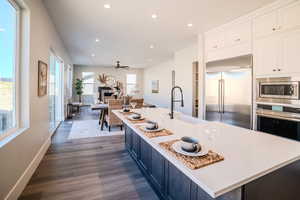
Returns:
<point x="173" y="101"/>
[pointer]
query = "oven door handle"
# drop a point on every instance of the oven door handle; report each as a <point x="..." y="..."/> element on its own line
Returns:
<point x="278" y="117"/>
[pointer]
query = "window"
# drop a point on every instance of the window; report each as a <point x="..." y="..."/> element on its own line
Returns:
<point x="69" y="82"/>
<point x="9" y="18"/>
<point x="131" y="86"/>
<point x="88" y="83"/>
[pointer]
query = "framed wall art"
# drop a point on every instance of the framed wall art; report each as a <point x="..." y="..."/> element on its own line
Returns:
<point x="42" y="78"/>
<point x="155" y="86"/>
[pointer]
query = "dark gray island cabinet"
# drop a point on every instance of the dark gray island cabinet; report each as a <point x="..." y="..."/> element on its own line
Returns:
<point x="170" y="183"/>
<point x="165" y="178"/>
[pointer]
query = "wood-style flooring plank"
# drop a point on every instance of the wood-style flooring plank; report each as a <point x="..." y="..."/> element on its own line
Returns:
<point x="87" y="169"/>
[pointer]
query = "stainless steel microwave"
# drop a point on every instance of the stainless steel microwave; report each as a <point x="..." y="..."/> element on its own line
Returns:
<point x="279" y="90"/>
<point x="273" y="89"/>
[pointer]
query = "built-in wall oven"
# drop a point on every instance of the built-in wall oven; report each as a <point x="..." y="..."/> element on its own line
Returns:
<point x="279" y="120"/>
<point x="278" y="106"/>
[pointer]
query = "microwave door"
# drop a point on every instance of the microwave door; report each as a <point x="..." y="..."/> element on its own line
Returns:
<point x="281" y="90"/>
<point x="213" y="96"/>
<point x="237" y="98"/>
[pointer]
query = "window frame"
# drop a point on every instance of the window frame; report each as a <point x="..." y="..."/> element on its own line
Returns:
<point x="88" y="83"/>
<point x="17" y="70"/>
<point x="134" y="84"/>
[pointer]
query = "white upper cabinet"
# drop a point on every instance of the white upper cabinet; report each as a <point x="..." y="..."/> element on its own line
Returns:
<point x="233" y="40"/>
<point x="266" y="24"/>
<point x="238" y="34"/>
<point x="278" y="54"/>
<point x="279" y="20"/>
<point x="214" y="41"/>
<point x="271" y="34"/>
<point x="290" y="60"/>
<point x="289" y="17"/>
<point x="266" y="55"/>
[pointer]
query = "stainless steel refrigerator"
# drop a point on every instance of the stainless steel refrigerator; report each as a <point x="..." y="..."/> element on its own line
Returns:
<point x="228" y="91"/>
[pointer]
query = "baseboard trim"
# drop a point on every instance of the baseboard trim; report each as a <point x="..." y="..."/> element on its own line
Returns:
<point x="18" y="188"/>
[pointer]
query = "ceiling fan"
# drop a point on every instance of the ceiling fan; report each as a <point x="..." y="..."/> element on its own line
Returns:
<point x="119" y="66"/>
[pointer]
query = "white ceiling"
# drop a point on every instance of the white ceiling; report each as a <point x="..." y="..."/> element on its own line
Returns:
<point x="127" y="30"/>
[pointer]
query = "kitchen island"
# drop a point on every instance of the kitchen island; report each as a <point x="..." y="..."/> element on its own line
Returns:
<point x="256" y="165"/>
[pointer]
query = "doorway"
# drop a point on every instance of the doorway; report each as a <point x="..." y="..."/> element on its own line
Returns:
<point x="56" y="91"/>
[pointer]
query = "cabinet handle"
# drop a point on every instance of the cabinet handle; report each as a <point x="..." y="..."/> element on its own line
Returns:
<point x="216" y="46"/>
<point x="237" y="40"/>
<point x="274" y="70"/>
<point x="273" y="29"/>
<point x="278" y="69"/>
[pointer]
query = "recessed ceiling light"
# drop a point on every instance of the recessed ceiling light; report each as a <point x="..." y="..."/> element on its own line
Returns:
<point x="154" y="16"/>
<point x="93" y="55"/>
<point x="151" y="46"/>
<point x="190" y="25"/>
<point x="97" y="40"/>
<point x="107" y="6"/>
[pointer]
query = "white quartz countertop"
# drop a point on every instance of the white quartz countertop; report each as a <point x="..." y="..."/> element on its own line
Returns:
<point x="248" y="154"/>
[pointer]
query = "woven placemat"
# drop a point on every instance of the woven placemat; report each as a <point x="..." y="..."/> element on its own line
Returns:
<point x="126" y="113"/>
<point x="163" y="132"/>
<point x="192" y="162"/>
<point x="136" y="121"/>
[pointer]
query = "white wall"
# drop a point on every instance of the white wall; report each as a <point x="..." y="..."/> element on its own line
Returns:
<point x="184" y="71"/>
<point x="202" y="71"/>
<point x="16" y="156"/>
<point x="118" y="74"/>
<point x="163" y="73"/>
<point x="182" y="64"/>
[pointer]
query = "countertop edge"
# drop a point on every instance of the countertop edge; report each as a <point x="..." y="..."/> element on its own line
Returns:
<point x="179" y="165"/>
<point x="168" y="157"/>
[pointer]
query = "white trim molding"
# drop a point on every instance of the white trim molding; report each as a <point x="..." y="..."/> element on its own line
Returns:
<point x="18" y="188"/>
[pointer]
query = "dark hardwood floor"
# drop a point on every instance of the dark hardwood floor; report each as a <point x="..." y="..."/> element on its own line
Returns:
<point x="87" y="169"/>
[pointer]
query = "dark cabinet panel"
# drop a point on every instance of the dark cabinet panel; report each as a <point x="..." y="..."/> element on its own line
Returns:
<point x="145" y="155"/>
<point x="199" y="194"/>
<point x="135" y="145"/>
<point x="128" y="138"/>
<point x="157" y="170"/>
<point x="194" y="194"/>
<point x="168" y="181"/>
<point x="178" y="185"/>
<point x="278" y="185"/>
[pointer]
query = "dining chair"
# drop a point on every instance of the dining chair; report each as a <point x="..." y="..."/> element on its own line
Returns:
<point x="107" y="98"/>
<point x="139" y="102"/>
<point x="126" y="100"/>
<point x="111" y="118"/>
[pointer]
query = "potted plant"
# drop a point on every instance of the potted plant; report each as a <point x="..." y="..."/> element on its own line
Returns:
<point x="79" y="88"/>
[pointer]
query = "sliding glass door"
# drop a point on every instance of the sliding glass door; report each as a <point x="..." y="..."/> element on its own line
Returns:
<point x="56" y="108"/>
